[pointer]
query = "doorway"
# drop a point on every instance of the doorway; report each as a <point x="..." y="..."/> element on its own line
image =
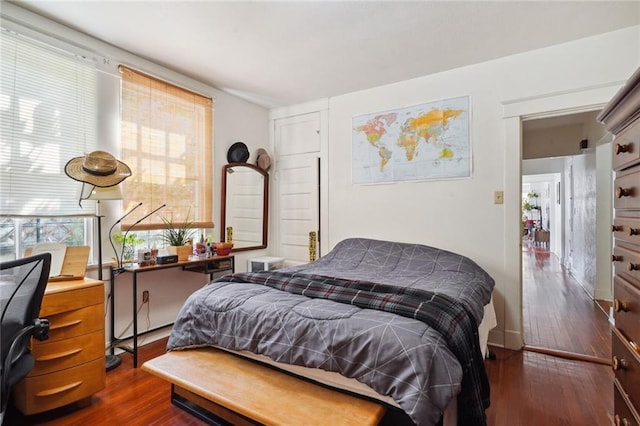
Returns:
<point x="559" y="275"/>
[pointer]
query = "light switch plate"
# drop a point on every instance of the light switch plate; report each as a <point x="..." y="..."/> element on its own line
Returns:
<point x="498" y="197"/>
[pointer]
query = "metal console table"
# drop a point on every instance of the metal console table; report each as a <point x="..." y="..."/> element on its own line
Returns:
<point x="210" y="266"/>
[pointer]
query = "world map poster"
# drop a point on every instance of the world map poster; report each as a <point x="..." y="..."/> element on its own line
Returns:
<point x="421" y="142"/>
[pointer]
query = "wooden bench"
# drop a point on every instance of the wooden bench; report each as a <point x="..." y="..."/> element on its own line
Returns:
<point x="243" y="392"/>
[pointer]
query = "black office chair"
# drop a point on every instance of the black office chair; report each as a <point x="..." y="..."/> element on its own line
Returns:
<point x="22" y="285"/>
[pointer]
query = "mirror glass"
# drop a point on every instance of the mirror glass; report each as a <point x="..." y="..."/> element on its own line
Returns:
<point x="245" y="195"/>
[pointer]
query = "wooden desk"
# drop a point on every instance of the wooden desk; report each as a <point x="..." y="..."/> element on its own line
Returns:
<point x="69" y="366"/>
<point x="211" y="266"/>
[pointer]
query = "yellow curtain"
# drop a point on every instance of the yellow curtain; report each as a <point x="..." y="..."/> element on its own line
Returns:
<point x="166" y="139"/>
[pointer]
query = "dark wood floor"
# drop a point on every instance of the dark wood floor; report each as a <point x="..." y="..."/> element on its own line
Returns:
<point x="527" y="388"/>
<point x="557" y="312"/>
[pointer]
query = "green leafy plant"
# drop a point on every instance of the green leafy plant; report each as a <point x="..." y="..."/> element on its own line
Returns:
<point x="529" y="204"/>
<point x="177" y="234"/>
<point x="128" y="244"/>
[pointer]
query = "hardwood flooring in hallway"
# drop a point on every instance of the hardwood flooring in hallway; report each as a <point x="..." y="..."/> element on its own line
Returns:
<point x="557" y="312"/>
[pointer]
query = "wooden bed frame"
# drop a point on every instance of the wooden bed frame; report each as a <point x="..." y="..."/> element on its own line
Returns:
<point x="214" y="384"/>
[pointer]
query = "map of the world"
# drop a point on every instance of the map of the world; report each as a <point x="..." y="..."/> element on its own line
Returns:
<point x="428" y="141"/>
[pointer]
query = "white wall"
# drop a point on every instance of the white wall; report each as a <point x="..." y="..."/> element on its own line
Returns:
<point x="583" y="265"/>
<point x="459" y="215"/>
<point x="554" y="142"/>
<point x="603" y="289"/>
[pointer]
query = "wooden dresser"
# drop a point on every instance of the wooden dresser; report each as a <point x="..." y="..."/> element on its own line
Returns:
<point x="622" y="118"/>
<point x="70" y="365"/>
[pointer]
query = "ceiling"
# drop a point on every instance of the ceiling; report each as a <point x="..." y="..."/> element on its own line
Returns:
<point x="283" y="53"/>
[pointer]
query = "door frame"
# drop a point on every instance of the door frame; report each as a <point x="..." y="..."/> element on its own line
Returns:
<point x="509" y="332"/>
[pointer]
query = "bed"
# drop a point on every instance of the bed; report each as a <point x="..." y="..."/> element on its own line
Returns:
<point x="396" y="322"/>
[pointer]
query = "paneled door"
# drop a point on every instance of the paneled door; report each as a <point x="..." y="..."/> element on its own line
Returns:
<point x="297" y="142"/>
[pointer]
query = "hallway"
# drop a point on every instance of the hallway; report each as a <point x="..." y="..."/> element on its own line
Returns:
<point x="557" y="313"/>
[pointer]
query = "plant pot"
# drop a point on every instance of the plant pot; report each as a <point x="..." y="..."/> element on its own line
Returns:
<point x="223" y="249"/>
<point x="183" y="252"/>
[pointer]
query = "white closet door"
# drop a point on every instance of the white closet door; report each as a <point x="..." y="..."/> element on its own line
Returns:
<point x="298" y="205"/>
<point x="297" y="162"/>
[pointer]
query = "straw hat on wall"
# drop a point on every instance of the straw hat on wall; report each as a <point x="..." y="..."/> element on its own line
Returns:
<point x="99" y="168"/>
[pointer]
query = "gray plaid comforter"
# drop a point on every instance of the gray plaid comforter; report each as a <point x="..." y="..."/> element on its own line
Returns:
<point x="395" y="355"/>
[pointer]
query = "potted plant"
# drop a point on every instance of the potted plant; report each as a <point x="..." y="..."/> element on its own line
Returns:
<point x="128" y="245"/>
<point x="178" y="237"/>
<point x="534" y="202"/>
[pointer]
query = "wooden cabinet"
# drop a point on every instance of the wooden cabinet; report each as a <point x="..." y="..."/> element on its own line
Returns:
<point x="622" y="118"/>
<point x="69" y="366"/>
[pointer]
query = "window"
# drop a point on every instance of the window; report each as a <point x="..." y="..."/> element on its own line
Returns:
<point x="48" y="101"/>
<point x="166" y="137"/>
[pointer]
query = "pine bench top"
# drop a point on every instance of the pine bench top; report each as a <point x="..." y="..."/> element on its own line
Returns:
<point x="258" y="392"/>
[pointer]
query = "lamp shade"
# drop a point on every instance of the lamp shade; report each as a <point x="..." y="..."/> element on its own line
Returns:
<point x="90" y="192"/>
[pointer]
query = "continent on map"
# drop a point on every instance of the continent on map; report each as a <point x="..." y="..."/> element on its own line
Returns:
<point x="446" y="153"/>
<point x="376" y="127"/>
<point x="385" y="156"/>
<point x="426" y="127"/>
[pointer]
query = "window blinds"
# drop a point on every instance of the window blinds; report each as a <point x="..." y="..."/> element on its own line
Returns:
<point x="48" y="104"/>
<point x="166" y="137"/>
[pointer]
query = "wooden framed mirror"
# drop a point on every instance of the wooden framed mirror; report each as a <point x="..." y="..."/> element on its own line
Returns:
<point x="245" y="205"/>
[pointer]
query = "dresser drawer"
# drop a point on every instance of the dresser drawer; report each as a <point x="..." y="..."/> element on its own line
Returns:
<point x="626" y="308"/>
<point x="48" y="391"/>
<point x="74" y="323"/>
<point x="623" y="415"/>
<point x="626" y="147"/>
<point x="626" y="366"/>
<point x="626" y="262"/>
<point x="54" y="356"/>
<point x="626" y="190"/>
<point x="58" y="302"/>
<point x="627" y="229"/>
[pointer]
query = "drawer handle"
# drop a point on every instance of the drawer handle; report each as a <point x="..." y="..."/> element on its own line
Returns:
<point x="619" y="306"/>
<point x="616" y="228"/>
<point x="621" y="422"/>
<point x="618" y="363"/>
<point x="634" y="231"/>
<point x="620" y="148"/>
<point x="615" y="258"/>
<point x="55" y="326"/>
<point x="623" y="192"/>
<point x="633" y="267"/>
<point x="60" y="389"/>
<point x="61" y="355"/>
